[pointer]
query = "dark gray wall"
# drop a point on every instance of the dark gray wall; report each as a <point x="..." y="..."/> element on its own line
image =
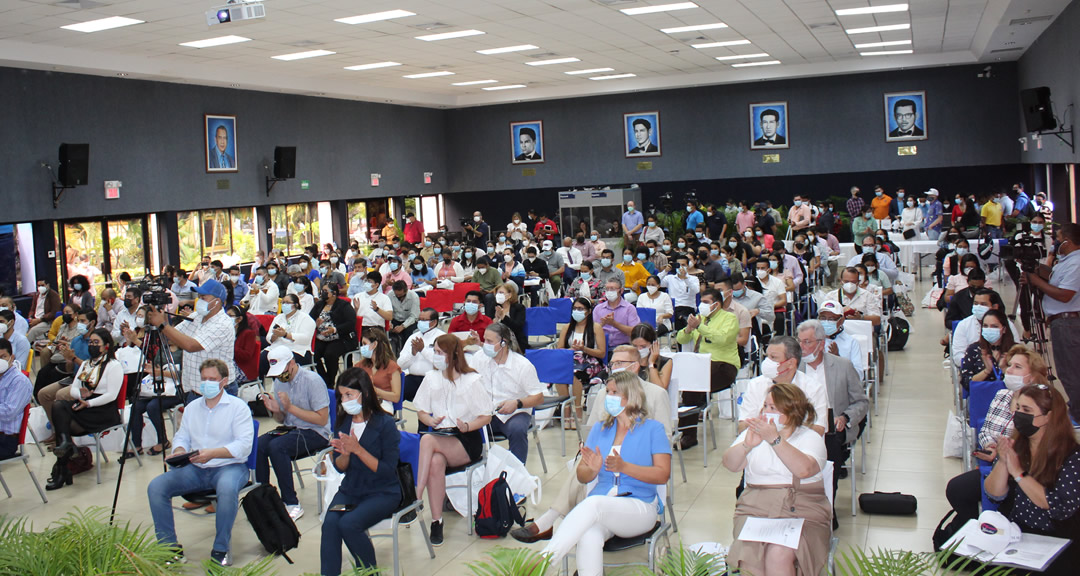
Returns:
<point x="836" y="125"/>
<point x="149" y="135"/>
<point x="1054" y="61"/>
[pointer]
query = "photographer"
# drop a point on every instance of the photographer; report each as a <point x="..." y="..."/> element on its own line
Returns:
<point x="1061" y="304"/>
<point x="477" y="230"/>
<point x="1028" y="247"/>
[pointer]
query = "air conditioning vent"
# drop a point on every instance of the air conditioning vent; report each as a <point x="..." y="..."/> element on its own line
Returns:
<point x="432" y="26"/>
<point x="1000" y="50"/>
<point x="823" y="25"/>
<point x="615" y="2"/>
<point x="1031" y="20"/>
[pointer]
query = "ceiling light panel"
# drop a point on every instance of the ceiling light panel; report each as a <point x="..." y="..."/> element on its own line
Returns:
<point x="553" y="61"/>
<point x="720" y="44"/>
<point x="873" y="10"/>
<point x="694" y="28"/>
<point x="887" y="28"/>
<point x="474" y="82"/>
<point x="613" y="76"/>
<point x="219" y="41"/>
<point x="883" y="44"/>
<point x="102" y="24"/>
<point x="742" y="56"/>
<point x="449" y="35"/>
<point x="747" y="64"/>
<point x="375" y="17"/>
<point x="504" y="87"/>
<point x="886" y="52"/>
<point x="590" y="71"/>
<point x="429" y="74"/>
<point x="658" y="8"/>
<point x="303" y="55"/>
<point x="519" y="48"/>
<point x="373" y="66"/>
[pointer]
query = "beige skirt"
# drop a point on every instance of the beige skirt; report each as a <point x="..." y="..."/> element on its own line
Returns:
<point x="806" y="501"/>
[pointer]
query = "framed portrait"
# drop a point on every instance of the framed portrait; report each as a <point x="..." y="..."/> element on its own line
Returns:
<point x="641" y="134"/>
<point x="769" y="126"/>
<point x="905" y="116"/>
<point x="527" y="146"/>
<point x="220" y="143"/>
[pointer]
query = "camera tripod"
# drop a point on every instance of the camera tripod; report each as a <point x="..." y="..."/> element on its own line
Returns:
<point x="1034" y="296"/>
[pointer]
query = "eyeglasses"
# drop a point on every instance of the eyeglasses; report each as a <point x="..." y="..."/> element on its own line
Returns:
<point x="809" y="342"/>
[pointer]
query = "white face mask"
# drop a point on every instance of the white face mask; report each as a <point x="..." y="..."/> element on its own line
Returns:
<point x="652" y="289"/>
<point x="773" y="419"/>
<point x="440" y="362"/>
<point x="770" y="368"/>
<point x="43" y="290"/>
<point x="500" y="298"/>
<point x="1014" y="382"/>
<point x="704" y="308"/>
<point x="611" y="295"/>
<point x="850" y="287"/>
<point x="4" y="365"/>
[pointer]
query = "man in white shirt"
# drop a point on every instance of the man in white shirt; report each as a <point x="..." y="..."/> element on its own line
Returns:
<point x="218" y="432"/>
<point x="371" y="304"/>
<point x="514" y="386"/>
<point x="885" y="263"/>
<point x="417" y="356"/>
<point x="857" y="304"/>
<point x="126" y="314"/>
<point x="683" y="289"/>
<point x="208" y="334"/>
<point x="838" y="342"/>
<point x="781" y="366"/>
<point x="570" y="254"/>
<point x="262" y="296"/>
<point x="969" y="330"/>
<point x="773" y="288"/>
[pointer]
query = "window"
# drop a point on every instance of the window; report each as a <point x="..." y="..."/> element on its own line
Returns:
<point x="295" y="226"/>
<point x="126" y="253"/>
<point x="227" y="235"/>
<point x="358" y="226"/>
<point x="187" y="224"/>
<point x="85" y="253"/>
<point x="243" y="233"/>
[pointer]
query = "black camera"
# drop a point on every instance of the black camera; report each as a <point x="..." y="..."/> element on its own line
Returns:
<point x="1025" y="249"/>
<point x="465" y="221"/>
<point x="154" y="292"/>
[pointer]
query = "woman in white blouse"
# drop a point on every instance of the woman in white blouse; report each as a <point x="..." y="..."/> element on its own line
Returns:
<point x="454" y="403"/>
<point x="782" y="459"/>
<point x="293" y="328"/>
<point x="94" y="391"/>
<point x="659" y="301"/>
<point x="517" y="230"/>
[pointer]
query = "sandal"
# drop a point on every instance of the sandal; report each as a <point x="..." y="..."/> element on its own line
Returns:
<point x="164" y="447"/>
<point x="129" y="454"/>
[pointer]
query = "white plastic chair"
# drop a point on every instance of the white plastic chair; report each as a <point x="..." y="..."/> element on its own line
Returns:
<point x="865" y="328"/>
<point x="691" y="372"/>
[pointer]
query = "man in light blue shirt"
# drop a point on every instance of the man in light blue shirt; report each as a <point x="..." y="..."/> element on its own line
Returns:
<point x="21" y="325"/>
<point x="632" y="223"/>
<point x="934" y="215"/>
<point x="217" y="429"/>
<point x="693" y="215"/>
<point x="15" y="391"/>
<point x="838" y="342"/>
<point x="20" y="346"/>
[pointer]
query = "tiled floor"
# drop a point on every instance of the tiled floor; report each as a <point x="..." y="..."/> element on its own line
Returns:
<point x="904" y="454"/>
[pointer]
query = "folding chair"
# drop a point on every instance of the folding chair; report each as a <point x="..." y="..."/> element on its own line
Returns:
<point x="394" y="522"/>
<point x="540" y="323"/>
<point x="872" y="378"/>
<point x="563" y="307"/>
<point x="22" y="456"/>
<point x="647" y="316"/>
<point x="211" y="495"/>
<point x="97" y="435"/>
<point x="980" y="396"/>
<point x="693" y="373"/>
<point x="332" y="414"/>
<point x="468" y="469"/>
<point x="265" y="320"/>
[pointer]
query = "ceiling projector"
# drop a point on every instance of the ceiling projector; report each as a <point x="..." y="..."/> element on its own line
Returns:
<point x="235" y="12"/>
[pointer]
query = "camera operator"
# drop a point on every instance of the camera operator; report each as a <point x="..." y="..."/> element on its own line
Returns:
<point x="477" y="230"/>
<point x="1029" y="246"/>
<point x="1061" y="304"/>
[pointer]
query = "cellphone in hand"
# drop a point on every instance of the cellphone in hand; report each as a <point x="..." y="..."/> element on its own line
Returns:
<point x="981" y="451"/>
<point x="342" y="507"/>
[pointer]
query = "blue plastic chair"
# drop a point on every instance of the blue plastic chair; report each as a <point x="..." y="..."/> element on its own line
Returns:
<point x="647" y="315"/>
<point x="563" y="308"/>
<point x="540" y="321"/>
<point x="554" y="366"/>
<point x="981" y="395"/>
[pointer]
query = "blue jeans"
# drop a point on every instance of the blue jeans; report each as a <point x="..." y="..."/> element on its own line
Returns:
<point x="279" y="452"/>
<point x="516" y="430"/>
<point x="225" y="480"/>
<point x="154" y="408"/>
<point x="933" y="234"/>
<point x="351" y="528"/>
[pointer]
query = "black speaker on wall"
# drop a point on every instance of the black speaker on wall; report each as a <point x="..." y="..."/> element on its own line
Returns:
<point x="74" y="164"/>
<point x="285" y="162"/>
<point x="1038" y="111"/>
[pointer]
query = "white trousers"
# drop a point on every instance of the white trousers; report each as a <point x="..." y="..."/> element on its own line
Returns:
<point x="592" y="522"/>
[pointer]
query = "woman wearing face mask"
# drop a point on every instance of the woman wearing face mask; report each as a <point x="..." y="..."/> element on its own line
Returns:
<point x="81" y="294"/>
<point x="94" y="390"/>
<point x="744" y="219"/>
<point x="985" y="359"/>
<point x="292" y="328"/>
<point x="782" y="459"/>
<point x="64" y="329"/>
<point x="366" y="451"/>
<point x="875" y="276"/>
<point x="586" y="339"/>
<point x="654" y="367"/>
<point x="959" y="281"/>
<point x="377" y="360"/>
<point x="301" y="286"/>
<point x="1037" y="475"/>
<point x="633" y="271"/>
<point x="659" y="301"/>
<point x="629" y="455"/>
<point x="453" y="402"/>
<point x="245" y="348"/>
<point x="511" y="312"/>
<point x="766" y="240"/>
<point x="516" y="230"/>
<point x="863" y="225"/>
<point x="335" y="332"/>
<point x="586" y="285"/>
<point x="423" y="277"/>
<point x="1023" y="367"/>
<point x="910" y="217"/>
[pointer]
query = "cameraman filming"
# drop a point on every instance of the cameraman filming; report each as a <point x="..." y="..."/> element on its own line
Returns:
<point x="1061" y="304"/>
<point x="1030" y="245"/>
<point x="478" y="230"/>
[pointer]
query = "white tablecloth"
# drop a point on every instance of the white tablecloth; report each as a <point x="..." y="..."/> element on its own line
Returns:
<point x="909" y="251"/>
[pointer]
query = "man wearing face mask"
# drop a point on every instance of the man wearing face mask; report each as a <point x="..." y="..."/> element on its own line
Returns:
<point x="885" y="263"/>
<point x="43" y="308"/>
<point x="839" y="342"/>
<point x="125" y="315"/>
<point x="863" y="225"/>
<point x="263" y="296"/>
<point x="969" y="329"/>
<point x="15" y="391"/>
<point x="857" y="303"/>
<point x="217" y="431"/>
<point x="713" y="331"/>
<point x="726" y="288"/>
<point x="604" y="269"/>
<point x="683" y="288"/>
<point x="556" y="266"/>
<point x="513" y="384"/>
<point x="615" y="314"/>
<point x="471" y="319"/>
<point x="760" y="310"/>
<point x="417" y="356"/>
<point x="301" y="404"/>
<point x="209" y="333"/>
<point x="372" y="304"/>
<point x="20" y="346"/>
<point x="961" y="302"/>
<point x="406" y="305"/>
<point x="781" y="366"/>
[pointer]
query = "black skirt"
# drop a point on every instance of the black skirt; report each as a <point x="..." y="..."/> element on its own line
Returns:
<point x="473" y="443"/>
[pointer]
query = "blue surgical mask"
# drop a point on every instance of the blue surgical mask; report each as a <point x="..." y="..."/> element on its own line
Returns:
<point x="427" y="243"/>
<point x="652" y="224"/>
<point x="774" y="264"/>
<point x="1036" y="228"/>
<point x="271" y="271"/>
<point x="714" y="252"/>
<point x="594" y="237"/>
<point x="423" y="325"/>
<point x="798" y="203"/>
<point x="438" y="250"/>
<point x="867" y="249"/>
<point x="209" y="388"/>
<point x="366" y="351"/>
<point x="738" y="293"/>
<point x="586" y="276"/>
<point x="829" y="326"/>
<point x="352" y="407"/>
<point x="471" y="308"/>
<point x="613" y="405"/>
<point x="286" y="308"/>
<point x="682" y="244"/>
<point x="991" y="335"/>
<point x="627" y="258"/>
<point x="605" y="262"/>
<point x="578" y="315"/>
<point x="394" y="266"/>
<point x="489" y="350"/>
<point x="978" y="311"/>
<point x="201" y="307"/>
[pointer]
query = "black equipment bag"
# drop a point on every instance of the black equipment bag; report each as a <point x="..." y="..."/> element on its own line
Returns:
<point x="270" y="520"/>
<point x="888" y="503"/>
<point x="408" y="485"/>
<point x="900" y="331"/>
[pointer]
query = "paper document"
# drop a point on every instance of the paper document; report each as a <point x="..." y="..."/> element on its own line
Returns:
<point x="1033" y="552"/>
<point x="781" y="531"/>
<point x="532" y="282"/>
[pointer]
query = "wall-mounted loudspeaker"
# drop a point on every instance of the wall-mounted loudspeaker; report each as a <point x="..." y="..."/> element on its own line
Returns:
<point x="74" y="164"/>
<point x="285" y="162"/>
<point x="1038" y="111"/>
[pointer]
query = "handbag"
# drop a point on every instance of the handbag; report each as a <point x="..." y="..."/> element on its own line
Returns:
<point x="408" y="485"/>
<point x="888" y="503"/>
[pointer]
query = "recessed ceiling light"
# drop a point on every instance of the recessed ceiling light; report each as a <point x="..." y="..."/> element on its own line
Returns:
<point x="872" y="10"/>
<point x="474" y="82"/>
<point x="886" y="52"/>
<point x="745" y="64"/>
<point x="658" y="8"/>
<point x="589" y="71"/>
<point x="449" y="35"/>
<point x="375" y="17"/>
<point x="504" y="87"/>
<point x="219" y="41"/>
<point x="882" y="44"/>
<point x="693" y="28"/>
<point x="613" y="76"/>
<point x="553" y="61"/>
<point x="742" y="56"/>
<point x="720" y="44"/>
<point x="879" y="28"/>
<point x="302" y="55"/>
<point x="373" y="66"/>
<point x="430" y="74"/>
<point x="518" y="48"/>
<point x="102" y="24"/>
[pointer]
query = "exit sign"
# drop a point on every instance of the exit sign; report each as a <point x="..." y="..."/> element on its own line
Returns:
<point x="112" y="189"/>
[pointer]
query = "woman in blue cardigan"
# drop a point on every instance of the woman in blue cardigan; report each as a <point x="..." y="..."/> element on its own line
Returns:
<point x="366" y="451"/>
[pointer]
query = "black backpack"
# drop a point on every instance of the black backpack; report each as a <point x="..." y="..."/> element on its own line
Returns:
<point x="900" y="329"/>
<point x="496" y="511"/>
<point x="270" y="520"/>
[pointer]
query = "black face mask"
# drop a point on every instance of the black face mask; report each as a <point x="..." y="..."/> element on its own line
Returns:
<point x="129" y="302"/>
<point x="94" y="350"/>
<point x="1025" y="424"/>
<point x="67" y="318"/>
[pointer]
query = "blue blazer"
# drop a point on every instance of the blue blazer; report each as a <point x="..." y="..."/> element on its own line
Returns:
<point x="381" y="439"/>
<point x="215" y="161"/>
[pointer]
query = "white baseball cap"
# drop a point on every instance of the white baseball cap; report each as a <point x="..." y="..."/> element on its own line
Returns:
<point x="932" y="192"/>
<point x="994" y="533"/>
<point x="831" y="306"/>
<point x="278" y="357"/>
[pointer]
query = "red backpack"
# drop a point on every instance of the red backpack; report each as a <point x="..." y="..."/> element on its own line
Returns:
<point x="496" y="511"/>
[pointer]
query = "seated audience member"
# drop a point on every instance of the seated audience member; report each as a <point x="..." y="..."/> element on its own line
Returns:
<point x="108" y="309"/>
<point x="512" y="385"/>
<point x="396" y="273"/>
<point x="150" y="404"/>
<point x="607" y="269"/>
<point x="875" y="277"/>
<point x="713" y="331"/>
<point x="417" y="356"/>
<point x="335" y="332"/>
<point x="870" y="245"/>
<point x="47" y="353"/>
<point x="615" y="314"/>
<point x="406" y="309"/>
<point x="782" y="459"/>
<point x="245" y="349"/>
<point x="634" y="272"/>
<point x="535" y="269"/>
<point x="291" y="328"/>
<point x="556" y="265"/>
<point x="377" y="360"/>
<point x="1023" y="367"/>
<point x="452" y="399"/>
<point x="984" y="359"/>
<point x="682" y="287"/>
<point x="510" y="312"/>
<point x="44" y="307"/>
<point x="240" y="287"/>
<point x="839" y="342"/>
<point x="219" y="446"/>
<point x="969" y="330"/>
<point x="488" y="277"/>
<point x="746" y="320"/>
<point x="54" y="379"/>
<point x="423" y="277"/>
<point x="94" y="391"/>
<point x="448" y="271"/>
<point x="960" y="305"/>
<point x="15" y="393"/>
<point x="366" y="451"/>
<point x="752" y="300"/>
<point x="262" y="296"/>
<point x="586" y="285"/>
<point x="857" y="303"/>
<point x="959" y="281"/>
<point x="303" y="288"/>
<point x="656" y="402"/>
<point x="81" y="295"/>
<point x="330" y="273"/>
<point x="781" y="366"/>
<point x="20" y="346"/>
<point x="586" y="338"/>
<point x="471" y="320"/>
<point x="301" y="404"/>
<point x="371" y="304"/>
<point x="659" y="301"/>
<point x="652" y="366"/>
<point x="629" y="455"/>
<point x="182" y="287"/>
<point x="1037" y="474"/>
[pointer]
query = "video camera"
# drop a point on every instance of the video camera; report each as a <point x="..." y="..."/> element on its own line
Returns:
<point x="466" y="221"/>
<point x="1025" y="249"/>
<point x="154" y="291"/>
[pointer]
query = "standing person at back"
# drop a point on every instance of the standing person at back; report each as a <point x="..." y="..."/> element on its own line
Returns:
<point x="632" y="224"/>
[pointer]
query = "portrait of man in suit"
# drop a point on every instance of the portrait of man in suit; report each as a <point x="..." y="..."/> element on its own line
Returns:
<point x="642" y="134"/>
<point x="528" y="142"/>
<point x="768" y="125"/>
<point x="905" y="116"/>
<point x="221" y="143"/>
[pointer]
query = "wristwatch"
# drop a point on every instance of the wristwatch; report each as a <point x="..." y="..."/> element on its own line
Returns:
<point x="1019" y="477"/>
<point x="520" y="405"/>
<point x="778" y="440"/>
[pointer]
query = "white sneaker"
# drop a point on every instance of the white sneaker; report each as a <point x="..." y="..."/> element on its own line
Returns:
<point x="295" y="511"/>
